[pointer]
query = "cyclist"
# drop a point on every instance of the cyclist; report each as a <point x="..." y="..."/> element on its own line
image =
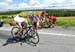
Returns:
<point x="20" y="21"/>
<point x="52" y="20"/>
<point x="42" y="17"/>
<point x="34" y="20"/>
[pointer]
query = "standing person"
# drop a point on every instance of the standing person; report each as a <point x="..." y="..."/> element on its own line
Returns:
<point x="52" y="20"/>
<point x="42" y="17"/>
<point x="34" y="20"/>
<point x="20" y="21"/>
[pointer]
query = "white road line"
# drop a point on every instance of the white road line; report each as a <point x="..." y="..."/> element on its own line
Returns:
<point x="68" y="35"/>
<point x="46" y="33"/>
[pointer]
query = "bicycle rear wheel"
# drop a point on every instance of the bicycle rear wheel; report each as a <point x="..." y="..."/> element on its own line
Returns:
<point x="34" y="37"/>
<point x="14" y="31"/>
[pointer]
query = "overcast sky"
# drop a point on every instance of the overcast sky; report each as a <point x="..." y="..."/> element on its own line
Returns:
<point x="6" y="5"/>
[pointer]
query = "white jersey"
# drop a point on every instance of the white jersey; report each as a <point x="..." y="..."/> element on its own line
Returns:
<point x="20" y="19"/>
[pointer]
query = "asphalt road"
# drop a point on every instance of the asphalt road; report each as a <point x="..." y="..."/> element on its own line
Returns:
<point x="50" y="41"/>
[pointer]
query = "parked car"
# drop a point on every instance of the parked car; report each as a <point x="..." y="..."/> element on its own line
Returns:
<point x="1" y="23"/>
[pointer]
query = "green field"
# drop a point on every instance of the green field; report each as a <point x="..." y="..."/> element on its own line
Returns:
<point x="69" y="21"/>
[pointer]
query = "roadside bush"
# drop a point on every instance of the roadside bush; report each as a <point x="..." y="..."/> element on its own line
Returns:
<point x="4" y="17"/>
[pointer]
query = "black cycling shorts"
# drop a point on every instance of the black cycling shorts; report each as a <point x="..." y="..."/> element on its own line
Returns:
<point x="35" y="24"/>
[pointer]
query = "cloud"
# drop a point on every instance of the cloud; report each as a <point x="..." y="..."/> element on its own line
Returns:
<point x="9" y="1"/>
<point x="3" y="5"/>
<point x="34" y="2"/>
<point x="37" y="4"/>
<point x="24" y="6"/>
<point x="53" y="1"/>
<point x="20" y="6"/>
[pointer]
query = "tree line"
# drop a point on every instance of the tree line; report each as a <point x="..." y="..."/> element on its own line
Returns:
<point x="9" y="12"/>
<point x="61" y="13"/>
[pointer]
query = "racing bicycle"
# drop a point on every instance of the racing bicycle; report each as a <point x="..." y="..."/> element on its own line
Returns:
<point x="28" y="32"/>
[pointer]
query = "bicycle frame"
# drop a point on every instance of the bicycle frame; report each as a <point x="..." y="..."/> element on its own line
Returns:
<point x="29" y="33"/>
<point x="27" y="29"/>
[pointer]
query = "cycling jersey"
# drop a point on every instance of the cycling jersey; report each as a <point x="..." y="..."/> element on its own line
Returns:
<point x="42" y="15"/>
<point x="34" y="19"/>
<point x="18" y="19"/>
<point x="52" y="18"/>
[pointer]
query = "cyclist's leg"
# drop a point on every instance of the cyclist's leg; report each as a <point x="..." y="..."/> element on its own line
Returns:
<point x="50" y="23"/>
<point x="43" y="21"/>
<point x="24" y="24"/>
<point x="40" y="22"/>
<point x="35" y="26"/>
<point x="53" y="24"/>
<point x="20" y="30"/>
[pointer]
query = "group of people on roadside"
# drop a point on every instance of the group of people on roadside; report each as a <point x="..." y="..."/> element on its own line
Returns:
<point x="42" y="17"/>
<point x="37" y="21"/>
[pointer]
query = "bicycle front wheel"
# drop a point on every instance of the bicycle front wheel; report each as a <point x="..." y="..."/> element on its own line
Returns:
<point x="14" y="31"/>
<point x="34" y="37"/>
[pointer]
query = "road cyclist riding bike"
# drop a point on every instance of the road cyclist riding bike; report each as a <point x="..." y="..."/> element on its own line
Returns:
<point x="34" y="20"/>
<point x="26" y="31"/>
<point x="20" y="21"/>
<point x="42" y="18"/>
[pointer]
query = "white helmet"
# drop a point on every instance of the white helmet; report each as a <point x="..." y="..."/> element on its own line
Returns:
<point x="30" y="13"/>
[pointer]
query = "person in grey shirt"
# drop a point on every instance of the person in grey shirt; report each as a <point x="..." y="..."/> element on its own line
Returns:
<point x="34" y="20"/>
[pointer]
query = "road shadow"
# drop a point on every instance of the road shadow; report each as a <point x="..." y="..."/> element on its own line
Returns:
<point x="17" y="40"/>
<point x="3" y="36"/>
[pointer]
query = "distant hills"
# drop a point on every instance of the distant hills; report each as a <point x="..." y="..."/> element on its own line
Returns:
<point x="19" y="11"/>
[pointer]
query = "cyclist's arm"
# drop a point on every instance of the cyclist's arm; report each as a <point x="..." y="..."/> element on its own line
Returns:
<point x="20" y="27"/>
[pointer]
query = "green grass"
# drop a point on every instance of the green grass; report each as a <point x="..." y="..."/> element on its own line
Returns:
<point x="69" y="21"/>
<point x="6" y="21"/>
